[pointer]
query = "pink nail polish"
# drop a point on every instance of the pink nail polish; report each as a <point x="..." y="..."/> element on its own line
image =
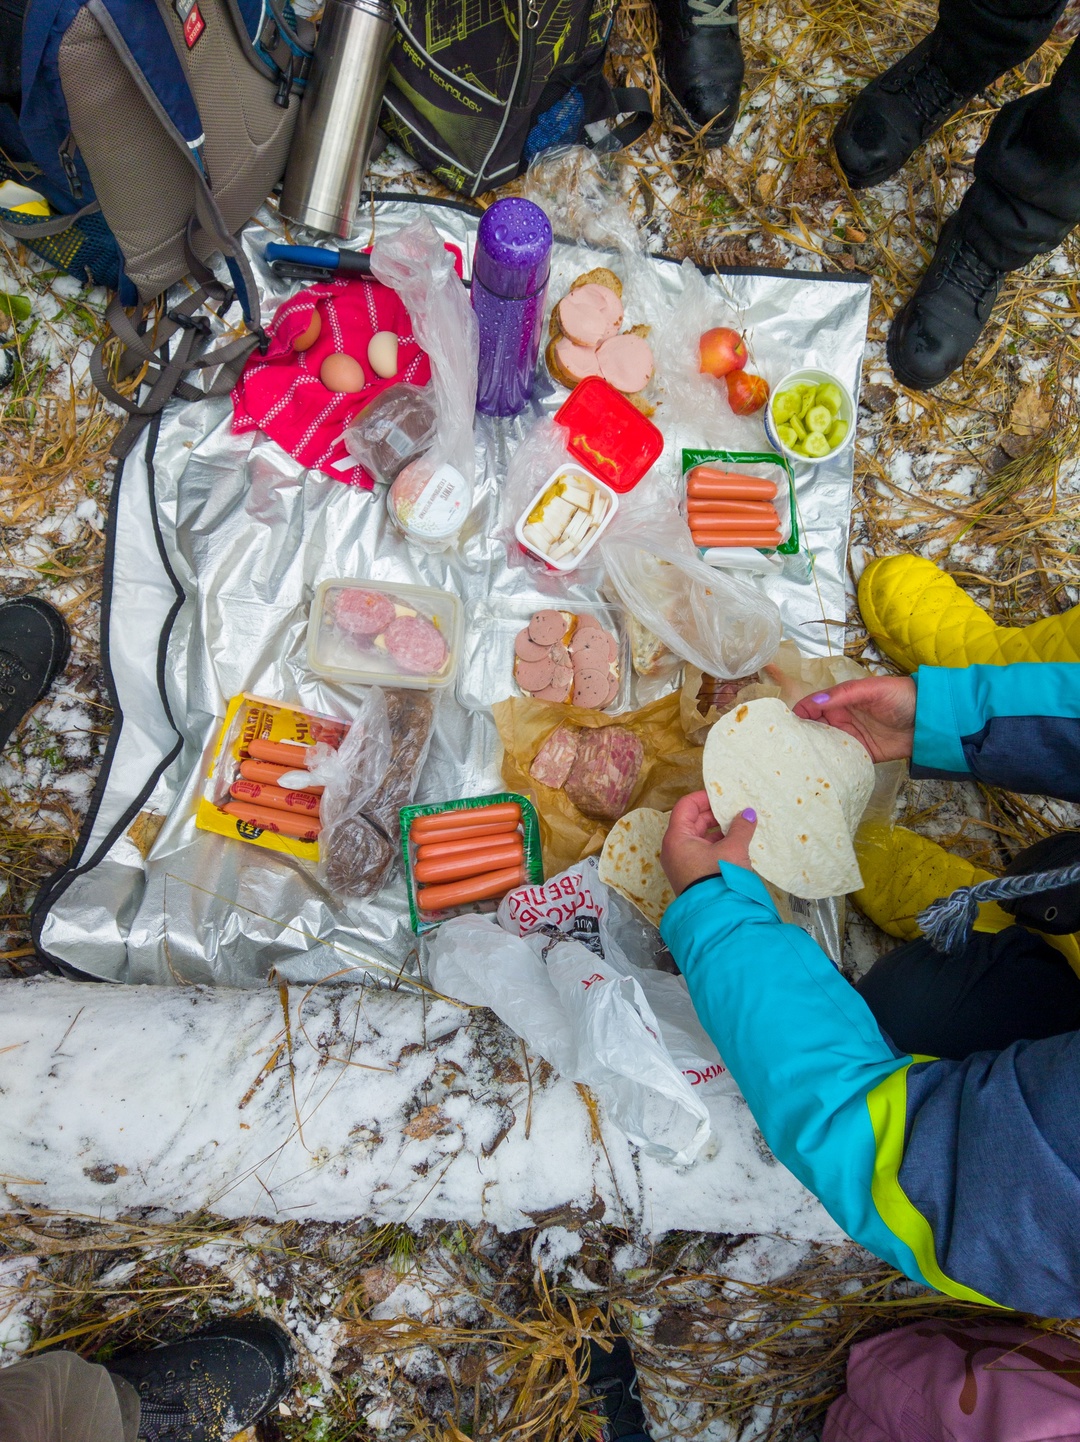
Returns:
<point x="821" y="697"/>
<point x="749" y="814"/>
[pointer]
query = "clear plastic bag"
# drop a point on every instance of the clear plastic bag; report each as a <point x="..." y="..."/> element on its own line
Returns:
<point x="717" y="623"/>
<point x="541" y="453"/>
<point x="350" y="775"/>
<point x="580" y="194"/>
<point x="695" y="405"/>
<point x="400" y="425"/>
<point x="551" y="968"/>
<point x="415" y="263"/>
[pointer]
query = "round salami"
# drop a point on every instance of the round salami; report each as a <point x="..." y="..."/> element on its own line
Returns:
<point x="362" y="615"/>
<point x="416" y="645"/>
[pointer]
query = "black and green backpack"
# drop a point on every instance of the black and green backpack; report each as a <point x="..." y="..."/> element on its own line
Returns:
<point x="477" y="88"/>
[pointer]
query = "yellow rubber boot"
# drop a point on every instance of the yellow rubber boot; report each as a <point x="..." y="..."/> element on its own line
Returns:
<point x="904" y="872"/>
<point x="917" y="615"/>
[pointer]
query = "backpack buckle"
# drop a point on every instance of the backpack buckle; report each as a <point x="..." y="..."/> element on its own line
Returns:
<point x="200" y="323"/>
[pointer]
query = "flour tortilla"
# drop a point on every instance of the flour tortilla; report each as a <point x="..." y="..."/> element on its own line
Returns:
<point x="630" y="861"/>
<point x="809" y="784"/>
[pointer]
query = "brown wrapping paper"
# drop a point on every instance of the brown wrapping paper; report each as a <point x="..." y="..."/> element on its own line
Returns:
<point x="790" y="675"/>
<point x="672" y="767"/>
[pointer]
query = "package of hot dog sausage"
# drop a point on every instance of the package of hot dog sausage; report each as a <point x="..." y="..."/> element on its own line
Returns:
<point x="464" y="856"/>
<point x="256" y="789"/>
<point x="739" y="504"/>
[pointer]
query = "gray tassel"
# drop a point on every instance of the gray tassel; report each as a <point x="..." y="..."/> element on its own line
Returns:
<point x="946" y="924"/>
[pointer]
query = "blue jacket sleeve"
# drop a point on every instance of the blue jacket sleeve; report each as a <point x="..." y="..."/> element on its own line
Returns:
<point x="801" y="1043"/>
<point x="827" y="1089"/>
<point x="1015" y="726"/>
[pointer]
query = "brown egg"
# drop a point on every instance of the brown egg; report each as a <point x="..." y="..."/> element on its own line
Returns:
<point x="307" y="338"/>
<point x="342" y="373"/>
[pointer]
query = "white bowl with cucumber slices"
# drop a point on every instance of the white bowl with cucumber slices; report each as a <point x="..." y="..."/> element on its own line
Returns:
<point x="810" y="416"/>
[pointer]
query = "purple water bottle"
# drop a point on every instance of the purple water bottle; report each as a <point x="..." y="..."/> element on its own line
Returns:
<point x="510" y="278"/>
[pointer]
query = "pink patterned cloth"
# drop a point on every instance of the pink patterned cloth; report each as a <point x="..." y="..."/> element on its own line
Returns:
<point x="281" y="392"/>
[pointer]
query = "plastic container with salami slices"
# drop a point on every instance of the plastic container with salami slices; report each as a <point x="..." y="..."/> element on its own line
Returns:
<point x="384" y="633"/>
<point x="611" y="446"/>
<point x="484" y="845"/>
<point x="493" y="623"/>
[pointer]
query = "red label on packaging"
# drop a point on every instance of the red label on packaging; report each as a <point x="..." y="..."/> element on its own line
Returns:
<point x="191" y="19"/>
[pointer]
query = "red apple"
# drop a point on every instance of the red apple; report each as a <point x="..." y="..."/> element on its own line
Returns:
<point x="721" y="351"/>
<point x="746" y="393"/>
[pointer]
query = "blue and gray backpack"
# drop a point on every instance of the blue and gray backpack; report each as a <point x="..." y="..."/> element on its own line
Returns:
<point x="154" y="129"/>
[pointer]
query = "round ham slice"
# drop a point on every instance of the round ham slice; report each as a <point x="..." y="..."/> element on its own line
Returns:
<point x="626" y="362"/>
<point x="547" y="627"/>
<point x="590" y="314"/>
<point x="590" y="648"/>
<point x="560" y="688"/>
<point x="591" y="688"/>
<point x="526" y="649"/>
<point x="535" y="676"/>
<point x="576" y="360"/>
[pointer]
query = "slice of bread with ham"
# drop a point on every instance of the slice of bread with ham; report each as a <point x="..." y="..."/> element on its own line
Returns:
<point x="587" y="339"/>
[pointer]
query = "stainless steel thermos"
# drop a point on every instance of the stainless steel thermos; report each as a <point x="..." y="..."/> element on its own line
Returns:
<point x="338" y="116"/>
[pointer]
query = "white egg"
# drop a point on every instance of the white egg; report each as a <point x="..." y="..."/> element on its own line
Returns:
<point x="382" y="354"/>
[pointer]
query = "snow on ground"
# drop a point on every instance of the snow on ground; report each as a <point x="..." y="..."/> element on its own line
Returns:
<point x="393" y="1106"/>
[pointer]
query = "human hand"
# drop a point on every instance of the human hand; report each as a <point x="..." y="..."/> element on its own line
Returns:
<point x="879" y="711"/>
<point x="694" y="844"/>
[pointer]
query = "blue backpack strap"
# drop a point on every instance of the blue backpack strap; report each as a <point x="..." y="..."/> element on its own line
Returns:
<point x="43" y="117"/>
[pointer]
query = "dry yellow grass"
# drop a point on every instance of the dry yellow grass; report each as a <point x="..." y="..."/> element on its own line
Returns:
<point x="454" y="1333"/>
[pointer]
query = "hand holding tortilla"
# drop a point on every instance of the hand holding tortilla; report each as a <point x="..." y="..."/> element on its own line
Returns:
<point x="694" y="845"/>
<point x="879" y="711"/>
<point x="630" y="861"/>
<point x="809" y="785"/>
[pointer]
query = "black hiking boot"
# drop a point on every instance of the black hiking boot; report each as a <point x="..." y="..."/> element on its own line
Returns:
<point x="211" y="1385"/>
<point x="703" y="64"/>
<point x="892" y="116"/>
<point x="611" y="1393"/>
<point x="933" y="332"/>
<point x="34" y="645"/>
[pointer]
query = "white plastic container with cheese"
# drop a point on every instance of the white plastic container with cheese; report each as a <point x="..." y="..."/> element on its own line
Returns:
<point x="566" y="517"/>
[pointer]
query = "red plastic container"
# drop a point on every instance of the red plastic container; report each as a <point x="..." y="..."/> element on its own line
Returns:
<point x="608" y="434"/>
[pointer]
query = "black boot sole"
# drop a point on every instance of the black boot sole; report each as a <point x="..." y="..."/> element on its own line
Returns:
<point x="61" y="650"/>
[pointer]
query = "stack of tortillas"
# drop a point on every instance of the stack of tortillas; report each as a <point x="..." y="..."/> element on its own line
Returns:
<point x="809" y="784"/>
<point x="630" y="861"/>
